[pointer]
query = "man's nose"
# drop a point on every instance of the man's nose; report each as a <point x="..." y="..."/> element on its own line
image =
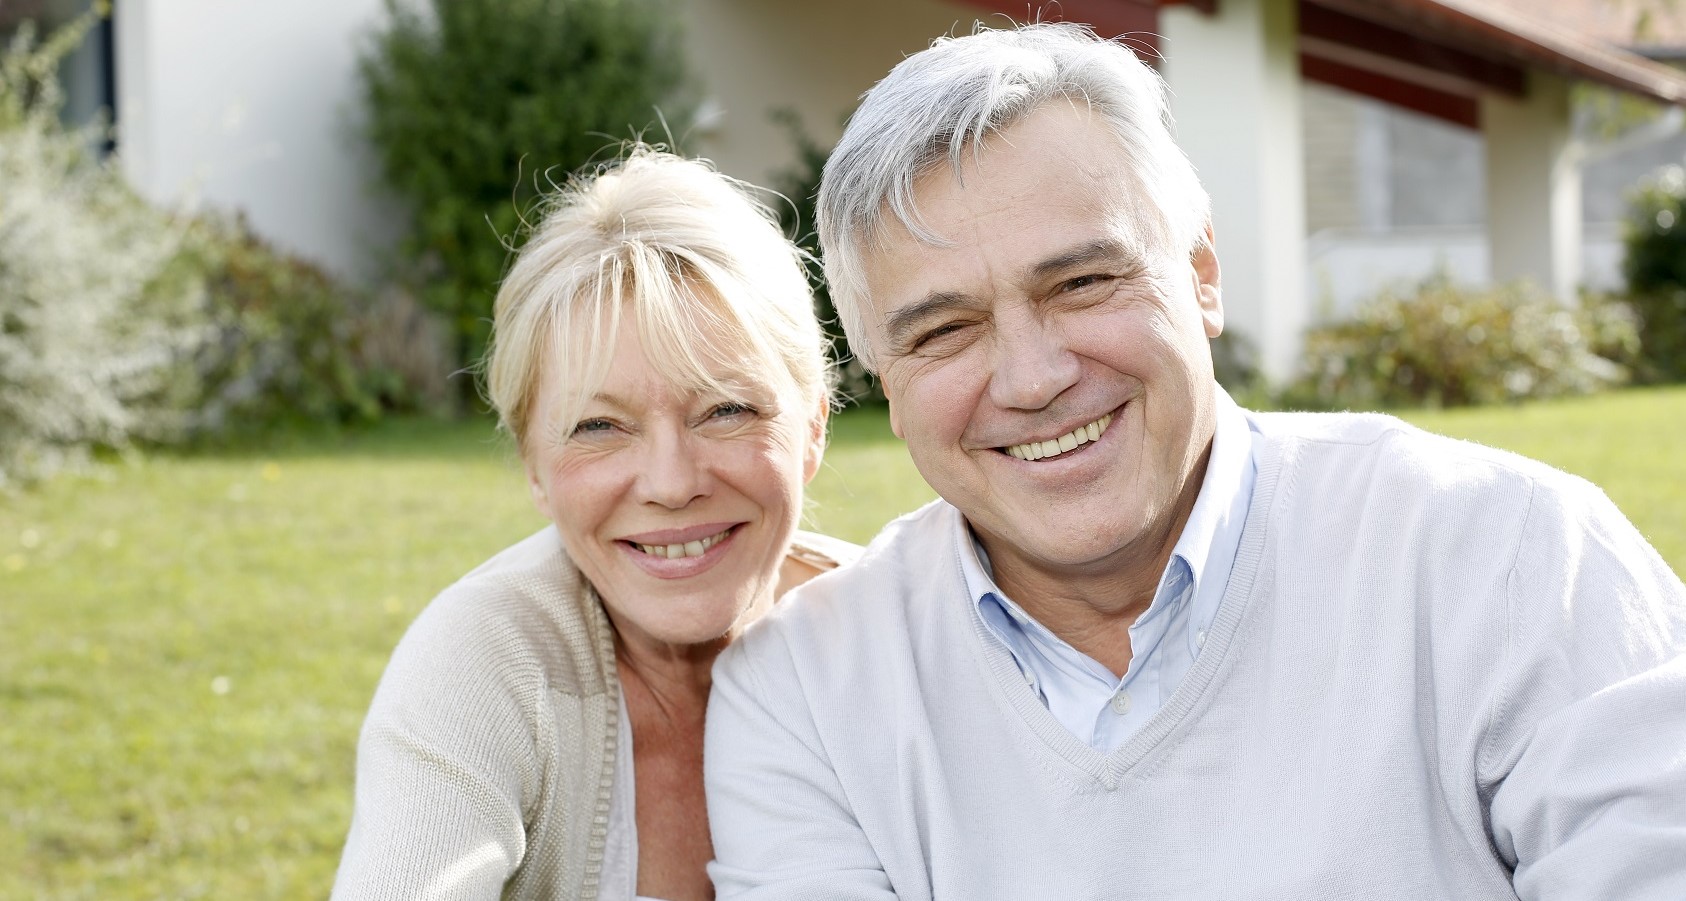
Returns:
<point x="1033" y="365"/>
<point x="673" y="474"/>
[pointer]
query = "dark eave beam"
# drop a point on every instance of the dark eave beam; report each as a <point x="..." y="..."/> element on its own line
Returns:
<point x="1454" y="108"/>
<point x="1362" y="43"/>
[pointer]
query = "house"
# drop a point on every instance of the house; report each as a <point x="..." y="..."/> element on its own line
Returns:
<point x="1408" y="115"/>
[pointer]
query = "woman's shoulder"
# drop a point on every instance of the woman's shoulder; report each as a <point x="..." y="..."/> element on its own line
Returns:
<point x="523" y="618"/>
<point x="823" y="552"/>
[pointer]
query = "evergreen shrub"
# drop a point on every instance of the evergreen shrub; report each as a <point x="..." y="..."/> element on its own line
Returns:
<point x="287" y="342"/>
<point x="474" y="105"/>
<point x="1438" y="344"/>
<point x="1655" y="266"/>
<point x="800" y="185"/>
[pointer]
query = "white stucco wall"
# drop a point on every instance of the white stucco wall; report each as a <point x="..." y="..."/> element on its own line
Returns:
<point x="1351" y="266"/>
<point x="1533" y="186"/>
<point x="1235" y="93"/>
<point x="252" y="106"/>
<point x="754" y="56"/>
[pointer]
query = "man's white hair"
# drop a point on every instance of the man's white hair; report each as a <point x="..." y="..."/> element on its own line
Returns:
<point x="939" y="102"/>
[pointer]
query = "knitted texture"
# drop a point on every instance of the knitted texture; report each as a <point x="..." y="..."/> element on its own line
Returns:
<point x="1438" y="671"/>
<point x="486" y="766"/>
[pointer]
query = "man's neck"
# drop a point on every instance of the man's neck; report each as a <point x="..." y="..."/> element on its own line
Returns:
<point x="1093" y="607"/>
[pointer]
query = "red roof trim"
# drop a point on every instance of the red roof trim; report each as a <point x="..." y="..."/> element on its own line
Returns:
<point x="1458" y="109"/>
<point x="1490" y="30"/>
<point x="1389" y="51"/>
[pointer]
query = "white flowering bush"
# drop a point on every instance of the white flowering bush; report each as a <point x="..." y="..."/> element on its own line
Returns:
<point x="94" y="320"/>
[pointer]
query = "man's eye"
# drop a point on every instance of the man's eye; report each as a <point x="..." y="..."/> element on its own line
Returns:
<point x="1082" y="281"/>
<point x="940" y="331"/>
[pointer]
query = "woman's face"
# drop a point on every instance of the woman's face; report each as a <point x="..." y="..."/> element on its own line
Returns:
<point x="678" y="507"/>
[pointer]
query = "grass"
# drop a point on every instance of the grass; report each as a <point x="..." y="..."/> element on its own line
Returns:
<point x="188" y="642"/>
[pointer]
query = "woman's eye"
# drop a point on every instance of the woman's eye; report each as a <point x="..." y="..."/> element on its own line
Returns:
<point x="730" y="409"/>
<point x="590" y="426"/>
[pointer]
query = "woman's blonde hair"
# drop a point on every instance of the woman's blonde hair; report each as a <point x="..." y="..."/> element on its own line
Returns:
<point x="696" y="262"/>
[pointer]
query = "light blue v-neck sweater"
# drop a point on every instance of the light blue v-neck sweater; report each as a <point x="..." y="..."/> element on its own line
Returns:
<point x="1439" y="671"/>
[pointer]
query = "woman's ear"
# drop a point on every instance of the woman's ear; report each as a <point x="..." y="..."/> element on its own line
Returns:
<point x="815" y="450"/>
<point x="540" y="493"/>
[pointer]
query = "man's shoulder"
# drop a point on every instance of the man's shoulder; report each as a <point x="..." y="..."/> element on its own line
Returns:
<point x="1376" y="447"/>
<point x="859" y="611"/>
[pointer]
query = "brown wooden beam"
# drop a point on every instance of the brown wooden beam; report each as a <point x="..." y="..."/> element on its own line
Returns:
<point x="1362" y="43"/>
<point x="1457" y="109"/>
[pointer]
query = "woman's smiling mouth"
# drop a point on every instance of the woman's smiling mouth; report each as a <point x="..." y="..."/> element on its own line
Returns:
<point x="693" y="548"/>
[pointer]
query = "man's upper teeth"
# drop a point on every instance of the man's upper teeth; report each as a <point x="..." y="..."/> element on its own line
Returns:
<point x="687" y="549"/>
<point x="1053" y="447"/>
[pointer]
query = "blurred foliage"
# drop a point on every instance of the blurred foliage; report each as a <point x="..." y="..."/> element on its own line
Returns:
<point x="1235" y="364"/>
<point x="121" y="323"/>
<point x="1655" y="265"/>
<point x="470" y="100"/>
<point x="1606" y="114"/>
<point x="800" y="185"/>
<point x="94" y="316"/>
<point x="288" y="343"/>
<point x="1441" y="345"/>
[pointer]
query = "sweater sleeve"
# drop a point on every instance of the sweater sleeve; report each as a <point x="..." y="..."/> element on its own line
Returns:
<point x="1587" y="748"/>
<point x="444" y="763"/>
<point x="781" y="825"/>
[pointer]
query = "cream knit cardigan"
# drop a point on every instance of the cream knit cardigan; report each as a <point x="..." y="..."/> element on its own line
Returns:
<point x="486" y="765"/>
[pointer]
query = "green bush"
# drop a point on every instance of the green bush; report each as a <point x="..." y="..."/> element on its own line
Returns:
<point x="288" y="342"/>
<point x="1441" y="345"/>
<point x="95" y="318"/>
<point x="800" y="185"/>
<point x="1655" y="238"/>
<point x="473" y="103"/>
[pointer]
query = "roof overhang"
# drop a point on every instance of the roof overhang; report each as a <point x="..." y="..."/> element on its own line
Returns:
<point x="1437" y="57"/>
<point x="1505" y="36"/>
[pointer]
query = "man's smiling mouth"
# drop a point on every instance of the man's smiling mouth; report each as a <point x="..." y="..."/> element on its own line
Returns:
<point x="1053" y="447"/>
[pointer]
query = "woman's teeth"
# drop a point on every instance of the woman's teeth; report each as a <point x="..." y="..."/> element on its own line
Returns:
<point x="688" y="549"/>
<point x="1053" y="447"/>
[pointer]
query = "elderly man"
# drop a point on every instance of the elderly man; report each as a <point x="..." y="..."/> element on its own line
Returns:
<point x="1149" y="644"/>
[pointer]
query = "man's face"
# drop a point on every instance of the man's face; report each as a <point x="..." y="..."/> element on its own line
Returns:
<point x="1050" y="369"/>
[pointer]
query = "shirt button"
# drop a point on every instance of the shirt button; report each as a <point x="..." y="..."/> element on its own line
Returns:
<point x="1200" y="638"/>
<point x="1121" y="703"/>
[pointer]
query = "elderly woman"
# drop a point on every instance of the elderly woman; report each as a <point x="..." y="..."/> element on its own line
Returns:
<point x="538" y="733"/>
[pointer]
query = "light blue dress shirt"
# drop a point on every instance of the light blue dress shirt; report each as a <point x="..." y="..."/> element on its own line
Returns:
<point x="1098" y="707"/>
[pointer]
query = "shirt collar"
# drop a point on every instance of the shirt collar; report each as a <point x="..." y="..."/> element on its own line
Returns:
<point x="1219" y="510"/>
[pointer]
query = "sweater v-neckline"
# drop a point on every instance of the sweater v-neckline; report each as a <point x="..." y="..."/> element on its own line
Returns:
<point x="1110" y="768"/>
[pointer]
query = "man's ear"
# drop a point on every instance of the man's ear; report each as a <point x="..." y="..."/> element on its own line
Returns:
<point x="815" y="451"/>
<point x="1208" y="283"/>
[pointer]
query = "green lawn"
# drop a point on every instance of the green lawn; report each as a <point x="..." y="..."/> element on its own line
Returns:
<point x="188" y="642"/>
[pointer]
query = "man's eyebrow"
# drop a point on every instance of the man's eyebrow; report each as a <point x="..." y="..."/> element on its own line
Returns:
<point x="1101" y="250"/>
<point x="900" y="325"/>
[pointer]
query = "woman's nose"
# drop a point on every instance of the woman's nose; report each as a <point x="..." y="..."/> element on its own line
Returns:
<point x="672" y="474"/>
